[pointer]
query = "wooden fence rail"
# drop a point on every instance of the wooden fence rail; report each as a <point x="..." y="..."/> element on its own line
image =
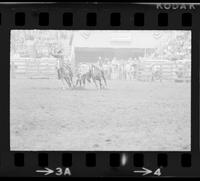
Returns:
<point x="34" y="68"/>
<point x="46" y="68"/>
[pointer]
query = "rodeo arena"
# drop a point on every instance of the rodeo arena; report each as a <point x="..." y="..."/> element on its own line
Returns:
<point x="100" y="90"/>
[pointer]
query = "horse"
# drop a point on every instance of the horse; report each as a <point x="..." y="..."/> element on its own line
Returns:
<point x="83" y="75"/>
<point x="65" y="74"/>
<point x="97" y="75"/>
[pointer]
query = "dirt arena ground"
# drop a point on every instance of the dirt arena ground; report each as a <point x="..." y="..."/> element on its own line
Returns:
<point x="129" y="115"/>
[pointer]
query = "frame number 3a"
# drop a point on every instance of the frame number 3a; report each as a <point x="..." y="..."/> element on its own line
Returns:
<point x="60" y="171"/>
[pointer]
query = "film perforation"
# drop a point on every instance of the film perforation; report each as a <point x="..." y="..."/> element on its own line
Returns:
<point x="162" y="160"/>
<point x="162" y="19"/>
<point x="186" y="19"/>
<point x="90" y="160"/>
<point x="20" y="19"/>
<point x="19" y="159"/>
<point x="139" y="19"/>
<point x="44" y="19"/>
<point x="91" y="19"/>
<point x="186" y="160"/>
<point x="43" y="159"/>
<point x="67" y="19"/>
<point x="67" y="159"/>
<point x="114" y="159"/>
<point x="115" y="19"/>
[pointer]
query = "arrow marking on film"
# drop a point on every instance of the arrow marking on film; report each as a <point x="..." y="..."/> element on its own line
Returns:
<point x="47" y="171"/>
<point x="145" y="171"/>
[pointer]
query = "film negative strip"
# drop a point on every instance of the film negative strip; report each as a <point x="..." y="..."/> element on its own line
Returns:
<point x="96" y="89"/>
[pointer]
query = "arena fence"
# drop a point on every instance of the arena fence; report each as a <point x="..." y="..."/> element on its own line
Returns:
<point x="34" y="68"/>
<point x="168" y="70"/>
<point x="45" y="68"/>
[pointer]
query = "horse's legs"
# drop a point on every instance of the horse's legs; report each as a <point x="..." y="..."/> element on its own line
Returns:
<point x="105" y="82"/>
<point x="100" y="84"/>
<point x="95" y="83"/>
<point x="63" y="83"/>
<point x="79" y="82"/>
<point x="104" y="78"/>
<point x="88" y="78"/>
<point x="68" y="82"/>
<point x="71" y="82"/>
<point x="84" y="81"/>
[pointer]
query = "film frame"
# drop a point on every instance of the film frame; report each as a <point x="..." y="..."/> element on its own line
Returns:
<point x="97" y="163"/>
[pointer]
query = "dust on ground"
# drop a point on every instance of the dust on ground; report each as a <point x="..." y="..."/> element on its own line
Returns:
<point x="129" y="115"/>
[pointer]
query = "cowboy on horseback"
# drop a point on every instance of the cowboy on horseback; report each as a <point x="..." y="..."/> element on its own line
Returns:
<point x="64" y="70"/>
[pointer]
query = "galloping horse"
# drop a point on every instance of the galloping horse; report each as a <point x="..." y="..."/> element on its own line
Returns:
<point x="65" y="74"/>
<point x="97" y="74"/>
